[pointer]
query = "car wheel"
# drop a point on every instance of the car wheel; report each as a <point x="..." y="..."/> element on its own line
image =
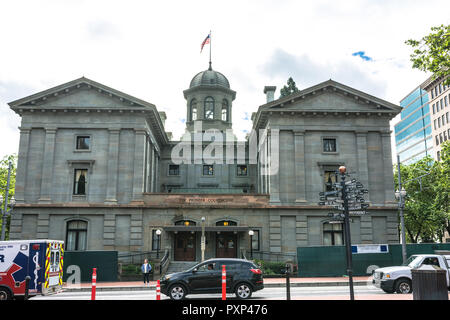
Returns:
<point x="243" y="291"/>
<point x="5" y="294"/>
<point x="403" y="286"/>
<point x="177" y="292"/>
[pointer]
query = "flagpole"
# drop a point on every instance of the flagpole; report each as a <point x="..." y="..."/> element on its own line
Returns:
<point x="210" y="44"/>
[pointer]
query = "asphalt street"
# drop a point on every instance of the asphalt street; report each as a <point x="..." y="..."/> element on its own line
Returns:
<point x="318" y="293"/>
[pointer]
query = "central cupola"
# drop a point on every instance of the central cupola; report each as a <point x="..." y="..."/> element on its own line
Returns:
<point x="209" y="100"/>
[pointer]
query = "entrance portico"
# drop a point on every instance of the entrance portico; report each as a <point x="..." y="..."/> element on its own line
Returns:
<point x="221" y="241"/>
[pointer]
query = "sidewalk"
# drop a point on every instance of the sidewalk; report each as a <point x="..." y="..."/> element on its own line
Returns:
<point x="268" y="283"/>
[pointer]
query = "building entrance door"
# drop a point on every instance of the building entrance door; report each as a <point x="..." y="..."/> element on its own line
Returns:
<point x="226" y="245"/>
<point x="184" y="246"/>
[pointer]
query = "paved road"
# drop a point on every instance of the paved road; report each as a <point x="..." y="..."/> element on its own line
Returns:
<point x="314" y="293"/>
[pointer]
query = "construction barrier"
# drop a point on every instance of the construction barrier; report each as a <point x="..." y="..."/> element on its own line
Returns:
<point x="94" y="283"/>
<point x="224" y="283"/>
<point x="158" y="290"/>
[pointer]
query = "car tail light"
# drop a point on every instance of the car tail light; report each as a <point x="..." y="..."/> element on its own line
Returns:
<point x="257" y="271"/>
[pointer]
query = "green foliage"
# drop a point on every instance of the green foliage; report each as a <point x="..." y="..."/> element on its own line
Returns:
<point x="427" y="201"/>
<point x="271" y="268"/>
<point x="432" y="52"/>
<point x="3" y="182"/>
<point x="289" y="89"/>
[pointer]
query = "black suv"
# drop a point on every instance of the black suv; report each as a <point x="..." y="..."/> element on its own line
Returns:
<point x="242" y="277"/>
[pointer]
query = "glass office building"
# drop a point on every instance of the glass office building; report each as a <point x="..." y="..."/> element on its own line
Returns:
<point x="413" y="138"/>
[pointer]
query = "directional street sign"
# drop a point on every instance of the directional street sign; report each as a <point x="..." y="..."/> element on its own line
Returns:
<point x="358" y="212"/>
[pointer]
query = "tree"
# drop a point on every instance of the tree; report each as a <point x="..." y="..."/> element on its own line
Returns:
<point x="3" y="182"/>
<point x="442" y="186"/>
<point x="432" y="52"/>
<point x="421" y="220"/>
<point x="289" y="89"/>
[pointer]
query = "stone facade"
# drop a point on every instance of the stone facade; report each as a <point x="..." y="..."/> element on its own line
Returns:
<point x="132" y="186"/>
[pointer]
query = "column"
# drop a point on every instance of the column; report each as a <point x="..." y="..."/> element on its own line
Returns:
<point x="113" y="166"/>
<point x="300" y="175"/>
<point x="361" y="154"/>
<point x="48" y="166"/>
<point x="139" y="165"/>
<point x="273" y="138"/>
<point x="22" y="164"/>
<point x="387" y="168"/>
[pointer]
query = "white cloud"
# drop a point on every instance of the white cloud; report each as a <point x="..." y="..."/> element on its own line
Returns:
<point x="151" y="49"/>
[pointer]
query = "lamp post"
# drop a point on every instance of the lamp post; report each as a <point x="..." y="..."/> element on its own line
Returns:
<point x="400" y="196"/>
<point x="251" y="233"/>
<point x="158" y="233"/>
<point x="12" y="203"/>
<point x="203" y="240"/>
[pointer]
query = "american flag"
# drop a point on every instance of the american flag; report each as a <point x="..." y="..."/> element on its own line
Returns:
<point x="206" y="41"/>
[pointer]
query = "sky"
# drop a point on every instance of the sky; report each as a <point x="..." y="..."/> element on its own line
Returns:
<point x="151" y="49"/>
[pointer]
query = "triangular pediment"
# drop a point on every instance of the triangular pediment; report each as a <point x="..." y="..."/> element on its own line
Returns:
<point x="331" y="96"/>
<point x="325" y="101"/>
<point x="81" y="93"/>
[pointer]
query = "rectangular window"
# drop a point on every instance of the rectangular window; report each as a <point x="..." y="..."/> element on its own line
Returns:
<point x="155" y="241"/>
<point x="208" y="170"/>
<point x="432" y="94"/>
<point x="437" y="140"/>
<point x="434" y="108"/>
<point x="174" y="170"/>
<point x="445" y="101"/>
<point x="329" y="179"/>
<point x="445" y="135"/>
<point x="80" y="182"/>
<point x="446" y="117"/>
<point x="440" y="88"/>
<point x="436" y="91"/>
<point x="83" y="143"/>
<point x="329" y="145"/>
<point x="440" y="138"/>
<point x="255" y="240"/>
<point x="443" y="119"/>
<point x="439" y="122"/>
<point x="333" y="234"/>
<point x="241" y="170"/>
<point x="442" y="104"/>
<point x="435" y="121"/>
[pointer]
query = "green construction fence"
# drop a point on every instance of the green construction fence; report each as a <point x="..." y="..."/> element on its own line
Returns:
<point x="106" y="263"/>
<point x="331" y="261"/>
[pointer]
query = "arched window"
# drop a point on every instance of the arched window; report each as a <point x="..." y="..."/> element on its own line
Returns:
<point x="209" y="108"/>
<point x="193" y="110"/>
<point x="76" y="237"/>
<point x="185" y="223"/>
<point x="224" y="110"/>
<point x="332" y="234"/>
<point x="226" y="223"/>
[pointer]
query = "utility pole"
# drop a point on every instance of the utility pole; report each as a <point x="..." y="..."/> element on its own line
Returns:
<point x="346" y="197"/>
<point x="348" y="241"/>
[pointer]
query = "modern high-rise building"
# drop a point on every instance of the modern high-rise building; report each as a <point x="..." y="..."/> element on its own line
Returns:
<point x="439" y="97"/>
<point x="413" y="134"/>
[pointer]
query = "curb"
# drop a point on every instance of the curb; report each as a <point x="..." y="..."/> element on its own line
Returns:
<point x="266" y="285"/>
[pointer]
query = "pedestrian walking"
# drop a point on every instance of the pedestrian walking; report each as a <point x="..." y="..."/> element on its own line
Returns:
<point x="146" y="268"/>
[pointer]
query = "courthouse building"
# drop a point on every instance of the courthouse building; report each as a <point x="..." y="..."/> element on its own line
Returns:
<point x="98" y="170"/>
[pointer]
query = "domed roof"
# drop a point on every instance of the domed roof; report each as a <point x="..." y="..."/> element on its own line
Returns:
<point x="209" y="78"/>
